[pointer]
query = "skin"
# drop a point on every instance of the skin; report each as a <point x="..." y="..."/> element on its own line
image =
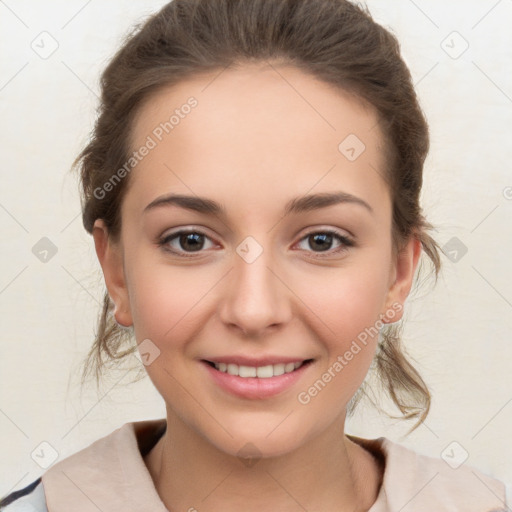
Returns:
<point x="260" y="136"/>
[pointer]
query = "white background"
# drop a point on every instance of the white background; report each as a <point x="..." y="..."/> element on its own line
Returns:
<point x="459" y="331"/>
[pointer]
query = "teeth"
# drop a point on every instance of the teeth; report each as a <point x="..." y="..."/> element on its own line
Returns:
<point x="247" y="371"/>
<point x="262" y="372"/>
<point x="289" y="367"/>
<point x="278" y="369"/>
<point x="233" y="369"/>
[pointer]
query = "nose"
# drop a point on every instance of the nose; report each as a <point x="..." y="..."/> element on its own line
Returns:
<point x="256" y="298"/>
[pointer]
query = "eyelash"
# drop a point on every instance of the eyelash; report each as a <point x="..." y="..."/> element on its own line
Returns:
<point x="346" y="242"/>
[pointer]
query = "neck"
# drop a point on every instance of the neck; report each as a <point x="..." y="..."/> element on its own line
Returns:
<point x="328" y="473"/>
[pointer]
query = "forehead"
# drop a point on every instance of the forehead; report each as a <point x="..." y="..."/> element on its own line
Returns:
<point x="257" y="128"/>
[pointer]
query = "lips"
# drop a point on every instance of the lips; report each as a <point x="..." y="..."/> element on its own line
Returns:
<point x="242" y="360"/>
<point x="260" y="371"/>
<point x="260" y="379"/>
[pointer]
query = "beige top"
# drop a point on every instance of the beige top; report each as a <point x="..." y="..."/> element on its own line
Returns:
<point x="110" y="475"/>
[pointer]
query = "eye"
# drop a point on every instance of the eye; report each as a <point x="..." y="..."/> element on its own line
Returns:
<point x="324" y="239"/>
<point x="193" y="241"/>
<point x="188" y="240"/>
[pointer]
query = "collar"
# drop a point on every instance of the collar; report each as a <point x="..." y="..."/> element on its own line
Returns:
<point x="110" y="474"/>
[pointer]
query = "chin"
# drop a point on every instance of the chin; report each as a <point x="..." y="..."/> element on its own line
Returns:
<point x="252" y="448"/>
<point x="260" y="439"/>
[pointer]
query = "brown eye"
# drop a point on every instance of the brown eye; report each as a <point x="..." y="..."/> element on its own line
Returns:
<point x="184" y="242"/>
<point x="322" y="241"/>
<point x="192" y="241"/>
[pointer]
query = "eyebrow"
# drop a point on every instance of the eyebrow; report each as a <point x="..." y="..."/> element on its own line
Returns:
<point x="297" y="205"/>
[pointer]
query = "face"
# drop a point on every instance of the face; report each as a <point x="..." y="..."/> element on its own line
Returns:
<point x="266" y="278"/>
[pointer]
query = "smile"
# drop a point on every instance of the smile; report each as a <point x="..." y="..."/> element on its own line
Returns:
<point x="261" y="372"/>
<point x="256" y="382"/>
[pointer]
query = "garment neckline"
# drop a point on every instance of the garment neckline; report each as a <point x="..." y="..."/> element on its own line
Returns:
<point x="112" y="474"/>
<point x="148" y="434"/>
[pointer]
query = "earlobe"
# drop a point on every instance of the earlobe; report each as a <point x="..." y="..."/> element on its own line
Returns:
<point x="110" y="257"/>
<point x="406" y="264"/>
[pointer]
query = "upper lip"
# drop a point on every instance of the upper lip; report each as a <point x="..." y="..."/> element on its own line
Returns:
<point x="255" y="361"/>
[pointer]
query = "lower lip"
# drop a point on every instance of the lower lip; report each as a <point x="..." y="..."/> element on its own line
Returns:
<point x="254" y="387"/>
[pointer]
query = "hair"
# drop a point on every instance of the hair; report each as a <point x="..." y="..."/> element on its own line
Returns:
<point x="334" y="41"/>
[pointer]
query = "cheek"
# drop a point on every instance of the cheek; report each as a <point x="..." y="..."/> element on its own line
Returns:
<point x="345" y="312"/>
<point x="347" y="302"/>
<point x="165" y="299"/>
<point x="350" y="344"/>
<point x="167" y="305"/>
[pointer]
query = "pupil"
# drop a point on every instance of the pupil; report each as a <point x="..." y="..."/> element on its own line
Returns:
<point x="187" y="238"/>
<point x="322" y="237"/>
<point x="190" y="241"/>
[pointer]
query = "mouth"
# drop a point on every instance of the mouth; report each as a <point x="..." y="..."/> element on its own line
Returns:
<point x="261" y="372"/>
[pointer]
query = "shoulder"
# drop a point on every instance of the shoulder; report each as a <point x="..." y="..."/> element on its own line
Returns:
<point x="42" y="494"/>
<point x="29" y="499"/>
<point x="100" y="461"/>
<point x="110" y="473"/>
<point x="416" y="482"/>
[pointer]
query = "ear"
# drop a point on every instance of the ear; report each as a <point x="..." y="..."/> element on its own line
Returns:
<point x="402" y="276"/>
<point x="111" y="261"/>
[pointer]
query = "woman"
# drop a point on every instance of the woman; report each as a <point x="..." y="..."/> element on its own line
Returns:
<point x="283" y="140"/>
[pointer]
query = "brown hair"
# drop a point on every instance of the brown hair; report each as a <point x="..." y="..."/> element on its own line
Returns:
<point x="333" y="40"/>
